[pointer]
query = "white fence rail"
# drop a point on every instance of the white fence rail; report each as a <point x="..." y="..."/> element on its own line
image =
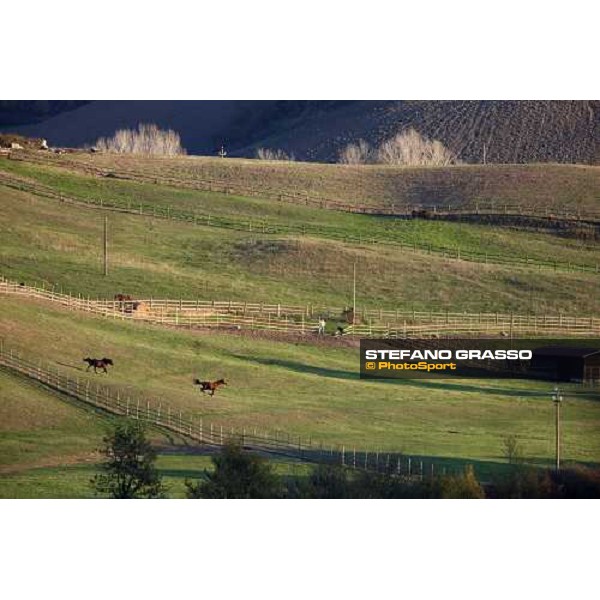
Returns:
<point x="303" y="319"/>
<point x="162" y="415"/>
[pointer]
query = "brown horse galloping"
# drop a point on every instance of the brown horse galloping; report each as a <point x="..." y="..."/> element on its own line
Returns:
<point x="209" y="387"/>
<point x="98" y="363"/>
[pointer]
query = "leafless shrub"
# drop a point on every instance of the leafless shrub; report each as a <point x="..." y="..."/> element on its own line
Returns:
<point x="273" y="154"/>
<point x="356" y="154"/>
<point x="410" y="148"/>
<point x="147" y="139"/>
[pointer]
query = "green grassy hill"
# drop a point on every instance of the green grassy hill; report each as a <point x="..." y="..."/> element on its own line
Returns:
<point x="262" y="250"/>
<point x="61" y="244"/>
<point x="49" y="443"/>
<point x="305" y="389"/>
<point x="39" y="428"/>
<point x="534" y="185"/>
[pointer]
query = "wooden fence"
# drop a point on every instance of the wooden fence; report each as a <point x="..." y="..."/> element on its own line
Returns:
<point x="302" y="319"/>
<point x="477" y="207"/>
<point x="195" y="428"/>
<point x="265" y="227"/>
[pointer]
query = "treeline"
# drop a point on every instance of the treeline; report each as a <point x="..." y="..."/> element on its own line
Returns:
<point x="128" y="471"/>
<point x="407" y="148"/>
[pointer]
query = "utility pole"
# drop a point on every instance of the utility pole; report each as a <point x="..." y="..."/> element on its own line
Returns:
<point x="557" y="398"/>
<point x="484" y="153"/>
<point x="354" y="292"/>
<point x="105" y="246"/>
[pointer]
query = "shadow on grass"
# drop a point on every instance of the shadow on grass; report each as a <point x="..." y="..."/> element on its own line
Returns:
<point x="582" y="393"/>
<point x="72" y="366"/>
<point x="432" y="384"/>
<point x="416" y="465"/>
<point x="299" y="367"/>
<point x="184" y="473"/>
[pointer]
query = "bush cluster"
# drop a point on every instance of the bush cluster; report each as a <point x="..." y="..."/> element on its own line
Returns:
<point x="147" y="139"/>
<point x="407" y="148"/>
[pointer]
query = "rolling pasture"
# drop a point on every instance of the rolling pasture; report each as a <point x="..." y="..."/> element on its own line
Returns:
<point x="287" y="384"/>
<point x="533" y="185"/>
<point x="58" y="244"/>
<point x="306" y="390"/>
<point x="49" y="445"/>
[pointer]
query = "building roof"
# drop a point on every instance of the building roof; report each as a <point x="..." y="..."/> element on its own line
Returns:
<point x="566" y="351"/>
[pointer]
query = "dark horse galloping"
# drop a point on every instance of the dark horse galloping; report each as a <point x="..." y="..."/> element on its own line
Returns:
<point x="98" y="363"/>
<point x="209" y="387"/>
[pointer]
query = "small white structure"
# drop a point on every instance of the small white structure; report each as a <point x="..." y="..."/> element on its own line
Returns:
<point x="43" y="144"/>
<point x="15" y="146"/>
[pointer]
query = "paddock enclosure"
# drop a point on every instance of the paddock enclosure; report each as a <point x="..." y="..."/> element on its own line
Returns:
<point x="226" y="269"/>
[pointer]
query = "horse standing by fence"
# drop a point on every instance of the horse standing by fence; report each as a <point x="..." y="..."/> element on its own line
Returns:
<point x="126" y="303"/>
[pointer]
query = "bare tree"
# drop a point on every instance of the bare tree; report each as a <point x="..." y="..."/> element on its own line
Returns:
<point x="147" y="139"/>
<point x="356" y="154"/>
<point x="273" y="154"/>
<point x="512" y="450"/>
<point x="440" y="155"/>
<point x="410" y="148"/>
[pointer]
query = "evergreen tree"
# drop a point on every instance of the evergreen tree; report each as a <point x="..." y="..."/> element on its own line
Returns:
<point x="129" y="470"/>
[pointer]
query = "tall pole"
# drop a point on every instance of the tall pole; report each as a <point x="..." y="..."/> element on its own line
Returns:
<point x="354" y="292"/>
<point x="557" y="435"/>
<point x="557" y="398"/>
<point x="105" y="245"/>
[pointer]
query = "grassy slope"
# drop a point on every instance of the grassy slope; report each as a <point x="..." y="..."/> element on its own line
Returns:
<point x="39" y="428"/>
<point x="538" y="185"/>
<point x="307" y="390"/>
<point x="48" y="446"/>
<point x="46" y="241"/>
<point x="331" y="224"/>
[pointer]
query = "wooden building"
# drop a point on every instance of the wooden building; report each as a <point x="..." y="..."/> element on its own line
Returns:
<point x="567" y="363"/>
